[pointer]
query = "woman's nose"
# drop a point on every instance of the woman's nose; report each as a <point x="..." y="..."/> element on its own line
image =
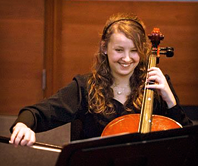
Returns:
<point x="126" y="57"/>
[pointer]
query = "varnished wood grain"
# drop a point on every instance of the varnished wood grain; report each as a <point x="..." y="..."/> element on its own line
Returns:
<point x="82" y="23"/>
<point x="21" y="54"/>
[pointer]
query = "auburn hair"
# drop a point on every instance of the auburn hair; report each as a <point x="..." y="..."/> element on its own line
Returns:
<point x="100" y="93"/>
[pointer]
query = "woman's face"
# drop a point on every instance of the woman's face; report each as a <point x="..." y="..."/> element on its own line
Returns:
<point x="122" y="55"/>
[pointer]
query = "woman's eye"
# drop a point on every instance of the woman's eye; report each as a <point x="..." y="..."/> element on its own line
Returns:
<point x="134" y="50"/>
<point x="119" y="50"/>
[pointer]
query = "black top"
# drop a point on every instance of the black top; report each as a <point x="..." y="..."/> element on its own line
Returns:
<point x="70" y="103"/>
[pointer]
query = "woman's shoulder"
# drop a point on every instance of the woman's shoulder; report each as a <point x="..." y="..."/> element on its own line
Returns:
<point x="82" y="79"/>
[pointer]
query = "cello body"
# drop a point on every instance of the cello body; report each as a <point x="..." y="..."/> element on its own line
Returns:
<point x="130" y="123"/>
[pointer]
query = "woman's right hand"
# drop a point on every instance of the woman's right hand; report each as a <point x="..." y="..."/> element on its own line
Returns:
<point x="22" y="135"/>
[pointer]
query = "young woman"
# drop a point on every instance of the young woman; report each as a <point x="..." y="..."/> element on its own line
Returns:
<point x="113" y="88"/>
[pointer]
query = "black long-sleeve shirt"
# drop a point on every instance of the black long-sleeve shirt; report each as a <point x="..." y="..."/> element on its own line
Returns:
<point x="70" y="103"/>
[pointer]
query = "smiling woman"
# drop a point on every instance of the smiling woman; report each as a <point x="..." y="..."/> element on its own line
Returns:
<point x="123" y="53"/>
<point x="95" y="99"/>
<point x="122" y="56"/>
<point x="123" y="59"/>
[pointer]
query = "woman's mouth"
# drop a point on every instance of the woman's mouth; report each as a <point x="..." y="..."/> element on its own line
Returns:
<point x="125" y="65"/>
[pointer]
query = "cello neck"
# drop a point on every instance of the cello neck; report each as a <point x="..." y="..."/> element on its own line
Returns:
<point x="147" y="104"/>
<point x="145" y="122"/>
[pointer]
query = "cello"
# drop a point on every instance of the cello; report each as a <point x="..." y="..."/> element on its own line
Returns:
<point x="145" y="122"/>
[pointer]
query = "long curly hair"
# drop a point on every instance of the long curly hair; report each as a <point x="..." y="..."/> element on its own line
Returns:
<point x="100" y="93"/>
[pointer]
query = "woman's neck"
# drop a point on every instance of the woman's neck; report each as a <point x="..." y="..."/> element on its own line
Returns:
<point x="121" y="88"/>
<point x="121" y="81"/>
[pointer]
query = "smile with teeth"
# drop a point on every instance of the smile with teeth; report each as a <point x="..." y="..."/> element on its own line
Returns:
<point x="125" y="64"/>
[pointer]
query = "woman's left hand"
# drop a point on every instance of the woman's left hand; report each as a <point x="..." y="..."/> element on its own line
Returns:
<point x="155" y="75"/>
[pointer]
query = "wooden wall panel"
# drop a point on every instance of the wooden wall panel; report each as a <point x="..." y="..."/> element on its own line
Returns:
<point x="82" y="22"/>
<point x="21" y="53"/>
